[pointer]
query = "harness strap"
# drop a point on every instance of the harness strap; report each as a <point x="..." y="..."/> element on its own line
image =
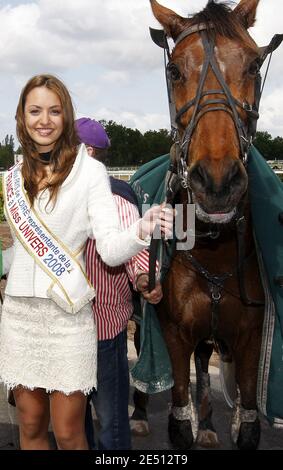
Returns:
<point x="172" y="185"/>
<point x="153" y="249"/>
<point x="195" y="28"/>
<point x="215" y="285"/>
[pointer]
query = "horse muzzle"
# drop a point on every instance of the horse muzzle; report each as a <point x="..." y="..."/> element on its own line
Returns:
<point x="217" y="189"/>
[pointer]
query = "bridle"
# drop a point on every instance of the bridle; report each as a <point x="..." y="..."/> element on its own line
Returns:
<point x="224" y="102"/>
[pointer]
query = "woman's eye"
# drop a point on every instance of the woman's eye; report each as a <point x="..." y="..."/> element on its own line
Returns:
<point x="55" y="112"/>
<point x="174" y="71"/>
<point x="34" y="112"/>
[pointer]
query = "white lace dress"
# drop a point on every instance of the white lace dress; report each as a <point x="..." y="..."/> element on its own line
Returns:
<point x="43" y="346"/>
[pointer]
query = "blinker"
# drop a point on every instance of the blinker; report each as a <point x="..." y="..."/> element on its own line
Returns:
<point x="272" y="46"/>
<point x="159" y="38"/>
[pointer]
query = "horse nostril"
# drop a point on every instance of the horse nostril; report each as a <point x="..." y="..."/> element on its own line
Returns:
<point x="205" y="180"/>
<point x="199" y="176"/>
<point x="235" y="174"/>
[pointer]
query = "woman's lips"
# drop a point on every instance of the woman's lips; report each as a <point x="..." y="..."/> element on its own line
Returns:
<point x="44" y="132"/>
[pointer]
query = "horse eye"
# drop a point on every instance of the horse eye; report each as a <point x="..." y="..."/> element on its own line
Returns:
<point x="254" y="67"/>
<point x="174" y="71"/>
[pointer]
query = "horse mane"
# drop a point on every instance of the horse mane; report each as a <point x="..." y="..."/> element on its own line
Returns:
<point x="224" y="23"/>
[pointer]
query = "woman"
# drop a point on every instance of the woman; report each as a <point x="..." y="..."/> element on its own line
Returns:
<point x="53" y="202"/>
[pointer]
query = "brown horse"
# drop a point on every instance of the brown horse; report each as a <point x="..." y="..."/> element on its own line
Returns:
<point x="212" y="293"/>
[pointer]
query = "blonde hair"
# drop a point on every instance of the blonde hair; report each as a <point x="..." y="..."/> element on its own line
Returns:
<point x="64" y="152"/>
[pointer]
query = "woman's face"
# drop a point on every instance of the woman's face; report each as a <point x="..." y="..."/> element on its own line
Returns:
<point x="43" y="118"/>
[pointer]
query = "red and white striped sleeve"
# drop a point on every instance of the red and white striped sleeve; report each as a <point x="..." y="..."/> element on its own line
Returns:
<point x="128" y="214"/>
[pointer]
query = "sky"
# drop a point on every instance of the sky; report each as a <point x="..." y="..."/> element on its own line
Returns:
<point x="102" y="51"/>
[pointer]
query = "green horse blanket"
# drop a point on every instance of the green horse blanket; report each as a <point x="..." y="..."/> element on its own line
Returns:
<point x="152" y="372"/>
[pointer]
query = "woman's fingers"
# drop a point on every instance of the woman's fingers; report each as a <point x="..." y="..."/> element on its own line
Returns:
<point x="165" y="221"/>
<point x="161" y="216"/>
<point x="167" y="214"/>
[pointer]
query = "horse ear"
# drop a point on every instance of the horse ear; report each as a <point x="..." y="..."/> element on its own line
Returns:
<point x="246" y="12"/>
<point x="172" y="23"/>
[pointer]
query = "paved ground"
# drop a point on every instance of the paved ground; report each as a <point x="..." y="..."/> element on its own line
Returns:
<point x="271" y="439"/>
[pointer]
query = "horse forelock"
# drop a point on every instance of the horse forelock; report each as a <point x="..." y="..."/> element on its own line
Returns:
<point x="224" y="22"/>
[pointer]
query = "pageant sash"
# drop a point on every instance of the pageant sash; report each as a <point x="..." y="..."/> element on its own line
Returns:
<point x="70" y="288"/>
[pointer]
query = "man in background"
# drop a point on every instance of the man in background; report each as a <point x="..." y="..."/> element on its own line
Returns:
<point x="112" y="308"/>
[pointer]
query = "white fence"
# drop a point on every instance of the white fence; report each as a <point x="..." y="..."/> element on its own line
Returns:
<point x="120" y="173"/>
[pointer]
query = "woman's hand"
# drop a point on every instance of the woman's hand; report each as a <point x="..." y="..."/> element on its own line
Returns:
<point x="159" y="217"/>
<point x="152" y="297"/>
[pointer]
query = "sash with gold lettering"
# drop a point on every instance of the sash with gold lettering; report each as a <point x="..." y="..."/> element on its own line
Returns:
<point x="70" y="288"/>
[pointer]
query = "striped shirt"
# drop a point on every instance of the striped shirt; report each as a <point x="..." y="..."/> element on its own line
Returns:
<point x="113" y="304"/>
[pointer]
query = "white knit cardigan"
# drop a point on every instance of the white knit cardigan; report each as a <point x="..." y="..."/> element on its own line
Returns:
<point x="85" y="208"/>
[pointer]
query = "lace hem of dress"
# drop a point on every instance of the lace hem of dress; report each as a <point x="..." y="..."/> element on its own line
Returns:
<point x="12" y="385"/>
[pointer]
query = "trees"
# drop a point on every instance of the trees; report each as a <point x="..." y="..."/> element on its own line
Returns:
<point x="277" y="148"/>
<point x="271" y="149"/>
<point x="156" y="143"/>
<point x="126" y="144"/>
<point x="263" y="142"/>
<point x="7" y="152"/>
<point x="131" y="147"/>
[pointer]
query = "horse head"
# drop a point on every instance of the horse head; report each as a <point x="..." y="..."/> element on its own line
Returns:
<point x="213" y="72"/>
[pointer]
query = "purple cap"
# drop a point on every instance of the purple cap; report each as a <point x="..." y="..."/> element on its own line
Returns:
<point x="92" y="133"/>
